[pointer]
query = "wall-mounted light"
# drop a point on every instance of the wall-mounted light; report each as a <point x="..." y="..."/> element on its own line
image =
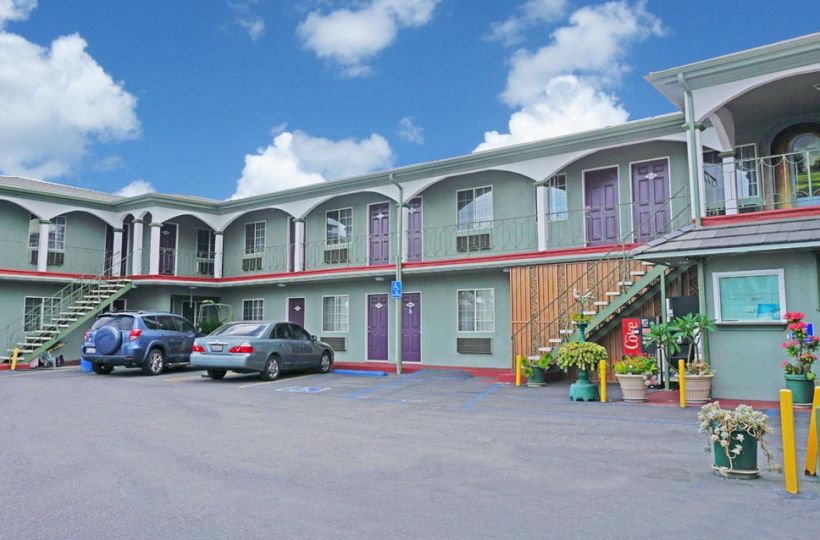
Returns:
<point x="281" y="285"/>
<point x="379" y="278"/>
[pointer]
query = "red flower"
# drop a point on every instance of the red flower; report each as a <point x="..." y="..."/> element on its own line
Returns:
<point x="794" y="316"/>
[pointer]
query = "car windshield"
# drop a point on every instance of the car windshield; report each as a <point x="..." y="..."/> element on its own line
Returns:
<point x="120" y="322"/>
<point x="241" y="329"/>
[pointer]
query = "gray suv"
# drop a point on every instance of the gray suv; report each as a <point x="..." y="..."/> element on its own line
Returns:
<point x="151" y="340"/>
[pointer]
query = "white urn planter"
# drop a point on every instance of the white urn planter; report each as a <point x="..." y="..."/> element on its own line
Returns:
<point x="633" y="388"/>
<point x="699" y="388"/>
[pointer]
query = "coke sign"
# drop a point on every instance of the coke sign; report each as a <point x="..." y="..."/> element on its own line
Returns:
<point x="632" y="336"/>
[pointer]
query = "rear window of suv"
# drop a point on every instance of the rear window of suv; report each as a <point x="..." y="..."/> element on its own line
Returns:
<point x="120" y="322"/>
<point x="241" y="330"/>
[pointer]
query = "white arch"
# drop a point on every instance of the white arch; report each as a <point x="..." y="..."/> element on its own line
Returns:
<point x="708" y="100"/>
<point x="25" y="205"/>
<point x="49" y="210"/>
<point x="221" y="223"/>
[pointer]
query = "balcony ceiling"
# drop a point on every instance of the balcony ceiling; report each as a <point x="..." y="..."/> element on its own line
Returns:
<point x="776" y="102"/>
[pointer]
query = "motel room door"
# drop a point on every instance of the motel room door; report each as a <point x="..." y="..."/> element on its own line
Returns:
<point x="296" y="311"/>
<point x="380" y="233"/>
<point x="377" y="308"/>
<point x="411" y="327"/>
<point x="601" y="200"/>
<point x="650" y="194"/>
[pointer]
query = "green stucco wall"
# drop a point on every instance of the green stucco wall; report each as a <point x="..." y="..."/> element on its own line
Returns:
<point x="275" y="258"/>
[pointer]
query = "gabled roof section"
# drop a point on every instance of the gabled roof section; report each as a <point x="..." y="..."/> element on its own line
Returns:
<point x="32" y="186"/>
<point x="780" y="56"/>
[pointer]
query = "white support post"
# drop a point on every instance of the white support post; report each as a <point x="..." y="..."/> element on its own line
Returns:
<point x="42" y="246"/>
<point x="541" y="212"/>
<point x="153" y="256"/>
<point x="701" y="177"/>
<point x="136" y="266"/>
<point x="729" y="182"/>
<point x="116" y="254"/>
<point x="299" y="245"/>
<point x="219" y="240"/>
<point x="405" y="231"/>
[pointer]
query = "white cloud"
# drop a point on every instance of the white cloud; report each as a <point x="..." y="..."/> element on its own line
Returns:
<point x="530" y="14"/>
<point x="351" y="37"/>
<point x="109" y="163"/>
<point x="137" y="187"/>
<point x="408" y="131"/>
<point x="15" y="10"/>
<point x="566" y="86"/>
<point x="54" y="102"/>
<point x="244" y="16"/>
<point x="297" y="159"/>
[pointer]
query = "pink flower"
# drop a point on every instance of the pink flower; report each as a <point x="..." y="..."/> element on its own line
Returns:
<point x="794" y="316"/>
<point x="785" y="363"/>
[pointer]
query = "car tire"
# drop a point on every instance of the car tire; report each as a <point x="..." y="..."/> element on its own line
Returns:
<point x="272" y="368"/>
<point x="101" y="369"/>
<point x="325" y="363"/>
<point x="216" y="374"/>
<point x="154" y="362"/>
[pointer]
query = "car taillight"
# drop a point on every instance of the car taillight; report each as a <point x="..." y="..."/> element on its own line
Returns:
<point x="85" y="334"/>
<point x="197" y="348"/>
<point x="244" y="348"/>
<point x="134" y="334"/>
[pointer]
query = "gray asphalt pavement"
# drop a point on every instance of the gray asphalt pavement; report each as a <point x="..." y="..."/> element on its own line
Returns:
<point x="434" y="454"/>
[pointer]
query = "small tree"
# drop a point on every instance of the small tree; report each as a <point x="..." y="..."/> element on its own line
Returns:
<point x="691" y="328"/>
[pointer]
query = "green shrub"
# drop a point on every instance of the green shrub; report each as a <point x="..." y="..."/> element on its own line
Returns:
<point x="583" y="355"/>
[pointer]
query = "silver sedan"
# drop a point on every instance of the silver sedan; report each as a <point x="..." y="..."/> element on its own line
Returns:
<point x="267" y="348"/>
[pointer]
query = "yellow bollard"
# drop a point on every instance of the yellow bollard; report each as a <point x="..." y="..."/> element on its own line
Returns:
<point x="602" y="377"/>
<point x="682" y="382"/>
<point x="518" y="370"/>
<point x="14" y="358"/>
<point x="811" y="445"/>
<point x="787" y="429"/>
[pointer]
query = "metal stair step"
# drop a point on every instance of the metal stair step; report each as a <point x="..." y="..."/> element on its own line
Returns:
<point x="601" y="303"/>
<point x="646" y="263"/>
<point x="625" y="283"/>
<point x="612" y="293"/>
<point x="533" y="358"/>
<point x="544" y="349"/>
<point x="589" y="312"/>
<point x="637" y="273"/>
<point x="566" y="332"/>
<point x="555" y="340"/>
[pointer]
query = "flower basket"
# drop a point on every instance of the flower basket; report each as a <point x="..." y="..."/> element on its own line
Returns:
<point x="801" y="348"/>
<point x="633" y="388"/>
<point x="733" y="436"/>
<point x="699" y="388"/>
<point x="802" y="388"/>
<point x="535" y="377"/>
<point x="743" y="466"/>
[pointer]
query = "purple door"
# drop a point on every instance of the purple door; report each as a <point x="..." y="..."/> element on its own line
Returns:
<point x="296" y="311"/>
<point x="650" y="194"/>
<point x="377" y="327"/>
<point x="414" y="230"/>
<point x="411" y="327"/>
<point x="380" y="233"/>
<point x="601" y="197"/>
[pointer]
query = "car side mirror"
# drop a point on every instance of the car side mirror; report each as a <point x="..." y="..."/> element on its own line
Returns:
<point x="314" y="338"/>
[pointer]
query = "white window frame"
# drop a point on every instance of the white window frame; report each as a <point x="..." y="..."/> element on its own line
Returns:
<point x="476" y="225"/>
<point x="781" y="281"/>
<point x="42" y="311"/>
<point x="253" y="308"/>
<point x="337" y="328"/>
<point x="59" y="221"/>
<point x="348" y="233"/>
<point x="255" y="252"/>
<point x="475" y="311"/>
<point x="556" y="215"/>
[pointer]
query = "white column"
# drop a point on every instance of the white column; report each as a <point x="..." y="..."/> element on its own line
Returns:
<point x="729" y="183"/>
<point x="219" y="240"/>
<point x="42" y="246"/>
<point x="405" y="231"/>
<point x="299" y="245"/>
<point x="116" y="253"/>
<point x="136" y="266"/>
<point x="541" y="212"/>
<point x="700" y="174"/>
<point x="153" y="256"/>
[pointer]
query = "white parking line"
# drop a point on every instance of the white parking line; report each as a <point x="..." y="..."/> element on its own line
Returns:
<point x="188" y="378"/>
<point x="31" y="372"/>
<point x="288" y="379"/>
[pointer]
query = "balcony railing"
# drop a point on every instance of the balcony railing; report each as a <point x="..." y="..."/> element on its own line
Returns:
<point x="763" y="183"/>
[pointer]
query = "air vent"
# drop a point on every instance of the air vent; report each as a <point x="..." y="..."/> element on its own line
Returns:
<point x="473" y="242"/>
<point x="336" y="343"/>
<point x="336" y="256"/>
<point x="474" y="345"/>
<point x="252" y="264"/>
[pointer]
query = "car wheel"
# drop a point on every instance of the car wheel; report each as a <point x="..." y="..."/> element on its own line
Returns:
<point x="271" y="371"/>
<point x="325" y="363"/>
<point x="216" y="373"/>
<point x="101" y="369"/>
<point x="155" y="362"/>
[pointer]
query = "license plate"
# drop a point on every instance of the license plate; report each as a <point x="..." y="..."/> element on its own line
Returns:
<point x="90" y="350"/>
<point x="217" y="348"/>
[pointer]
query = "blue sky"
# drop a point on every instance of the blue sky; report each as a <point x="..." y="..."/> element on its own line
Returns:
<point x="189" y="97"/>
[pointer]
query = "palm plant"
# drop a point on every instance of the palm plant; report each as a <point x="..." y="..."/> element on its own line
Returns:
<point x="663" y="336"/>
<point x="691" y="328"/>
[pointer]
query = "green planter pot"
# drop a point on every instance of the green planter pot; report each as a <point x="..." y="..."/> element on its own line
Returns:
<point x="802" y="389"/>
<point x="583" y="390"/>
<point x="537" y="377"/>
<point x="744" y="466"/>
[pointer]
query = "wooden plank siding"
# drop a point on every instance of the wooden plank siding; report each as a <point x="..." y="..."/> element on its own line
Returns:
<point x="533" y="290"/>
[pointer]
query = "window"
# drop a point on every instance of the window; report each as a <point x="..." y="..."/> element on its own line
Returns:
<point x="475" y="208"/>
<point x="757" y="296"/>
<point x="253" y="310"/>
<point x="282" y="331"/>
<point x="476" y="310"/>
<point x="338" y="226"/>
<point x="299" y="332"/>
<point x="205" y="251"/>
<point x="254" y="238"/>
<point x="120" y="322"/>
<point x="39" y="311"/>
<point x="183" y="325"/>
<point x="557" y="198"/>
<point x="335" y="312"/>
<point x="56" y="240"/>
<point x="240" y="329"/>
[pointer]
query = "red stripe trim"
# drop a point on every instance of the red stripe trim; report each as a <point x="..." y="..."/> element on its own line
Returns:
<point x="408" y="367"/>
<point x="764" y="215"/>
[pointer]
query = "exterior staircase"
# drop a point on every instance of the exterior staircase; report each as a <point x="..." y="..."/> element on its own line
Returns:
<point x="73" y="307"/>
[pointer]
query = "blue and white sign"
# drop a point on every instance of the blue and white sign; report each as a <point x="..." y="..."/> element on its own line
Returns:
<point x="304" y="389"/>
<point x="395" y="289"/>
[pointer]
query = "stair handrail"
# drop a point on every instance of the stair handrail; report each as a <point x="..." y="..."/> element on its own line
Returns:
<point x="620" y="251"/>
<point x="77" y="289"/>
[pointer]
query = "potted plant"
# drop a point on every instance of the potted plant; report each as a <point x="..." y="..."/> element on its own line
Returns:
<point x="663" y="337"/>
<point x="634" y="374"/>
<point x="733" y="436"/>
<point x="534" y="370"/>
<point x="585" y="356"/>
<point x="802" y="349"/>
<point x="699" y="373"/>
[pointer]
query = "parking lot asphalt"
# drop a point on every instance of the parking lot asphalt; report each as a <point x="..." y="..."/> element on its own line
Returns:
<point x="433" y="454"/>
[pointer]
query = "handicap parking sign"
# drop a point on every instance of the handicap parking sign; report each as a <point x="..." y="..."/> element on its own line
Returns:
<point x="395" y="289"/>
